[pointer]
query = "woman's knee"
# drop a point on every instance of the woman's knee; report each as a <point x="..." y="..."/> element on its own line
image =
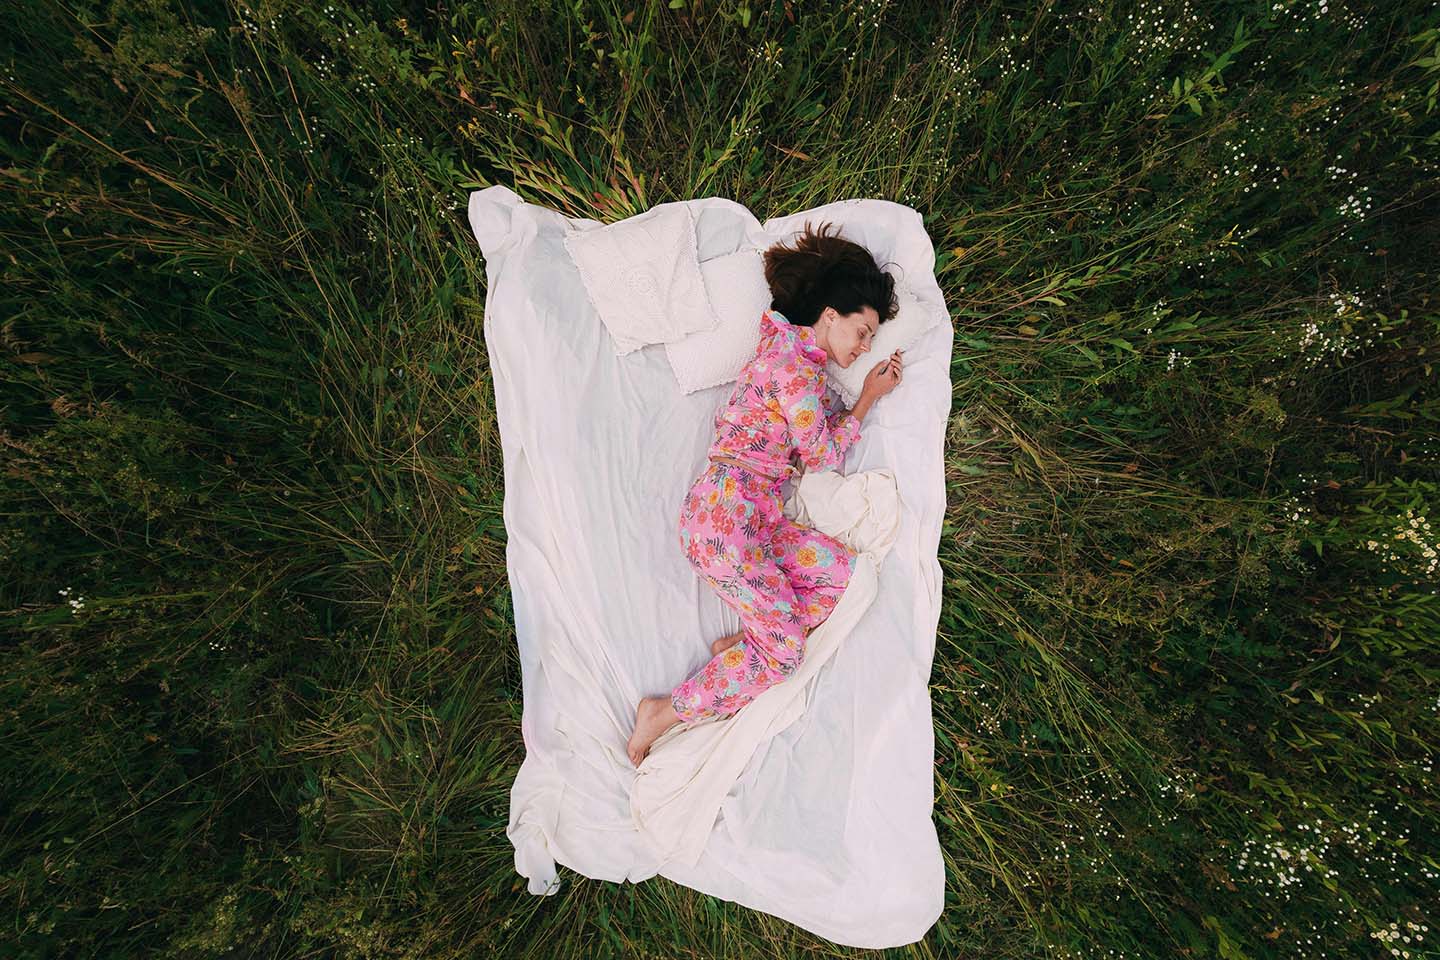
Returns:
<point x="789" y="653"/>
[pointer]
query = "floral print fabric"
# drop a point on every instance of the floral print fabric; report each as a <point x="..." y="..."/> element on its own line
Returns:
<point x="782" y="578"/>
<point x="781" y="406"/>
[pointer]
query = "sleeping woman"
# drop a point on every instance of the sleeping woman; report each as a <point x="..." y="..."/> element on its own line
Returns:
<point x="828" y="299"/>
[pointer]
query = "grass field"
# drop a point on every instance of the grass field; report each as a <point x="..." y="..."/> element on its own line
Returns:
<point x="260" y="689"/>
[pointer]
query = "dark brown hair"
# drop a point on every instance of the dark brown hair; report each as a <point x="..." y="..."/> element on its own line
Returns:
<point x="822" y="271"/>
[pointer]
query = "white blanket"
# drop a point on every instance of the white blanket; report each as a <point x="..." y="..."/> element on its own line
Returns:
<point x="825" y="790"/>
<point x="690" y="769"/>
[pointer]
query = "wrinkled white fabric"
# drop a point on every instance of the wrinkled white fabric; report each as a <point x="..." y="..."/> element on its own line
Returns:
<point x="827" y="822"/>
<point x="681" y="784"/>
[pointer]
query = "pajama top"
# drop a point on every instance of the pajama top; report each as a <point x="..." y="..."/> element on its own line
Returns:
<point x="781" y="406"/>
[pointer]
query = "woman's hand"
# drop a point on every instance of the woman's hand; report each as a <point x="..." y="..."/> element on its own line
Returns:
<point x="886" y="375"/>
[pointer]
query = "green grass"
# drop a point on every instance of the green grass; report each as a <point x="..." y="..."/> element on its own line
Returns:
<point x="1186" y="686"/>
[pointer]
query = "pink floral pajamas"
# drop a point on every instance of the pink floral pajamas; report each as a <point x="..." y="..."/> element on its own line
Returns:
<point x="782" y="578"/>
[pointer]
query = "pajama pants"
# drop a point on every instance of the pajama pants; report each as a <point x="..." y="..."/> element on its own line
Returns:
<point x="782" y="578"/>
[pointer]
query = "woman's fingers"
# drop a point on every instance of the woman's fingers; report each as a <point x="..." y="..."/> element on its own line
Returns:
<point x="893" y="365"/>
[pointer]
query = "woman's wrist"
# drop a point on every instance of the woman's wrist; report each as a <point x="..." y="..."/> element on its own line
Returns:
<point x="863" y="405"/>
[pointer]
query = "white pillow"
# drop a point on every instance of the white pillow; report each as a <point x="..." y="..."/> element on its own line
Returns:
<point x="739" y="293"/>
<point x="912" y="318"/>
<point x="643" y="277"/>
<point x="896" y="237"/>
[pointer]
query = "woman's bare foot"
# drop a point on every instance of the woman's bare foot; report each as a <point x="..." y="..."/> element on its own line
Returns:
<point x="653" y="716"/>
<point x="725" y="643"/>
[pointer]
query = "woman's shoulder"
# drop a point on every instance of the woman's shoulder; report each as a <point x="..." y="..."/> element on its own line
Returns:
<point x="772" y="331"/>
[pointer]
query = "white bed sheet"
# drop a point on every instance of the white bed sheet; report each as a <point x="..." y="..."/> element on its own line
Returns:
<point x="829" y="825"/>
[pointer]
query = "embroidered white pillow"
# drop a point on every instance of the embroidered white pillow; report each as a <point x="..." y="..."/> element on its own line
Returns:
<point x="739" y="293"/>
<point x="643" y="277"/>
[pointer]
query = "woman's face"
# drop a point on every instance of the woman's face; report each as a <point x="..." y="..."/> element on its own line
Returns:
<point x="847" y="336"/>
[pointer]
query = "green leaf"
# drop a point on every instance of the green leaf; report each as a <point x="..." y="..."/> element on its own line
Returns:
<point x="1227" y="947"/>
<point x="1055" y="300"/>
<point x="1194" y="105"/>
